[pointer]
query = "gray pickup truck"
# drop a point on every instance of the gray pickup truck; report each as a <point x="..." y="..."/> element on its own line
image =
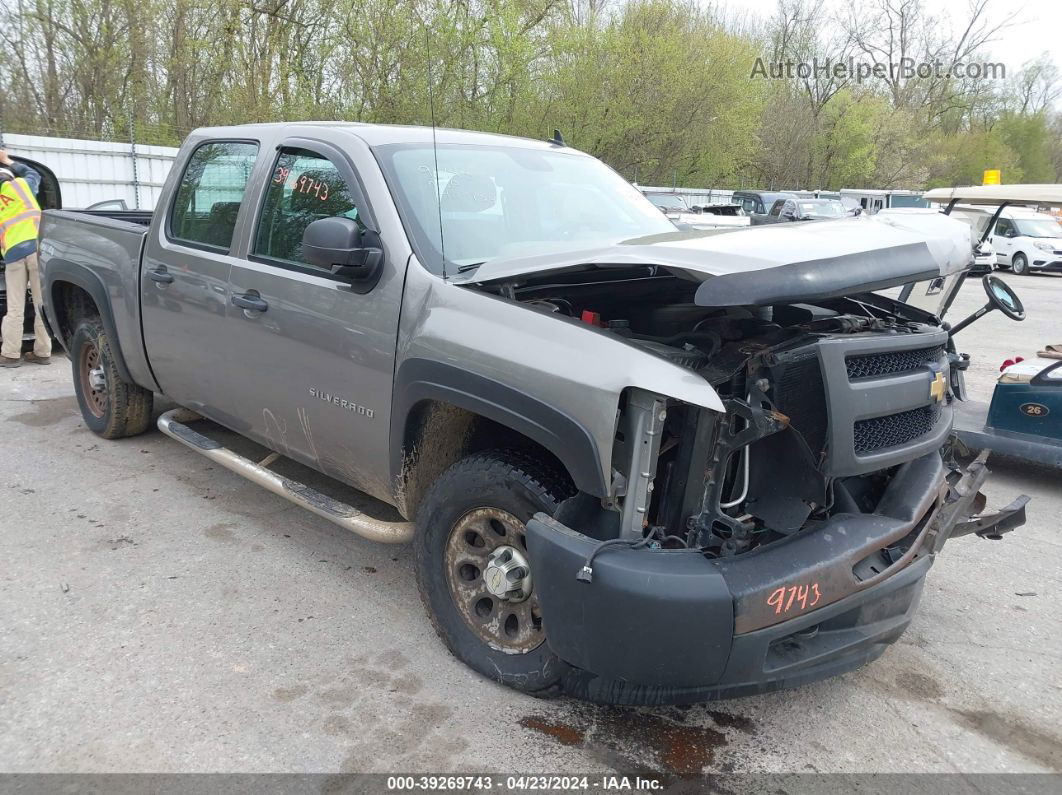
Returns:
<point x="637" y="465"/>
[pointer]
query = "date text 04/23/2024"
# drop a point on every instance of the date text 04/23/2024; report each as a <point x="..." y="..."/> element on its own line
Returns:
<point x="523" y="783"/>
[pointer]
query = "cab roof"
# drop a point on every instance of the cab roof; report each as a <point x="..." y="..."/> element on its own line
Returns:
<point x="383" y="134"/>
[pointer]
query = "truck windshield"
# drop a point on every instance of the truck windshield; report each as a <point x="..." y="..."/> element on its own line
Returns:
<point x="820" y="208"/>
<point x="502" y="202"/>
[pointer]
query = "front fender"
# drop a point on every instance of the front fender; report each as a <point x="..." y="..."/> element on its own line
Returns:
<point x="516" y="356"/>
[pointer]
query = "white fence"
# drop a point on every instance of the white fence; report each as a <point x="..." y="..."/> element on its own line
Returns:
<point x="95" y="171"/>
<point x="694" y="196"/>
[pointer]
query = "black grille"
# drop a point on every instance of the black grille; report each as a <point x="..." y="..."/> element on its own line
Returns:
<point x="874" y="365"/>
<point x="800" y="395"/>
<point x="891" y="430"/>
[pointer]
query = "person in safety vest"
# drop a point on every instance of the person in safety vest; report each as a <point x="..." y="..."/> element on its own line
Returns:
<point x="20" y="218"/>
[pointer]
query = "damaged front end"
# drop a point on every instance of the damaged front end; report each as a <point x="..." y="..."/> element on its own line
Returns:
<point x="785" y="537"/>
<point x="782" y="540"/>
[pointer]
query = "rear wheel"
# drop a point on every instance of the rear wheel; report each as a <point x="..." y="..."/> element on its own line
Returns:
<point x="111" y="407"/>
<point x="1020" y="265"/>
<point x="473" y="570"/>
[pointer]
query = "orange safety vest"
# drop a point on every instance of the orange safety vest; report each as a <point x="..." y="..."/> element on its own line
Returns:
<point x="20" y="215"/>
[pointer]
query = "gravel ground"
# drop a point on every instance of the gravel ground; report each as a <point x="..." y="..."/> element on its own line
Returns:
<point x="160" y="614"/>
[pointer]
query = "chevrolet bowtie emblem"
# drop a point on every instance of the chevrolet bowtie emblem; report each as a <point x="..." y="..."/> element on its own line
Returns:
<point x="938" y="388"/>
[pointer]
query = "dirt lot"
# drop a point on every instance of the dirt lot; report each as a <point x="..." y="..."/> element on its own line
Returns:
<point x="160" y="614"/>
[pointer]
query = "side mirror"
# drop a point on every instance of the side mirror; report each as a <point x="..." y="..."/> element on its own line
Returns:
<point x="339" y="245"/>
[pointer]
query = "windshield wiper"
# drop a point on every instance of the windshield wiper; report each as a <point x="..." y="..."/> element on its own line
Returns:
<point x="469" y="267"/>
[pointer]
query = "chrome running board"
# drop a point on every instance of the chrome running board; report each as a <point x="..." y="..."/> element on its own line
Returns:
<point x="172" y="423"/>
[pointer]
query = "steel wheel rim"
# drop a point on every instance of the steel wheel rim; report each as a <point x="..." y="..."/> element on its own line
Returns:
<point x="95" y="399"/>
<point x="509" y="627"/>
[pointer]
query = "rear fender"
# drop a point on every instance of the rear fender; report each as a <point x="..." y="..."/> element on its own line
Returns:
<point x="59" y="272"/>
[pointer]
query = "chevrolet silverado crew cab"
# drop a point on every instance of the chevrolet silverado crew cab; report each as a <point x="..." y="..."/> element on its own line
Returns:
<point x="636" y="464"/>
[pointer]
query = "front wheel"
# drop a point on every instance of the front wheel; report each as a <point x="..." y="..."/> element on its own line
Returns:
<point x="111" y="407"/>
<point x="1020" y="265"/>
<point x="473" y="570"/>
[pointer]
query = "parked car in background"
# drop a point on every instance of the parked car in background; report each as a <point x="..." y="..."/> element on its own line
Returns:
<point x="1026" y="241"/>
<point x="817" y="194"/>
<point x="725" y="215"/>
<point x="984" y="258"/>
<point x="872" y="201"/>
<point x="757" y="203"/>
<point x="679" y="212"/>
<point x="109" y="204"/>
<point x="799" y="209"/>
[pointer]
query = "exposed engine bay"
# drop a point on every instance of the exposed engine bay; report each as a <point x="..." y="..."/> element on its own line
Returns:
<point x="824" y="401"/>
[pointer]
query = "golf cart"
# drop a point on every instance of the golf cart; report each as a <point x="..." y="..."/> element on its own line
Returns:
<point x="1024" y="419"/>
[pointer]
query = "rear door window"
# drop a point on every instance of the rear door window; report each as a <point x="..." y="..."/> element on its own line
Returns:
<point x="208" y="198"/>
<point x="305" y="187"/>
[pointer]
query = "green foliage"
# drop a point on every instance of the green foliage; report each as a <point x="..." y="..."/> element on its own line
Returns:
<point x="845" y="150"/>
<point x="1029" y="138"/>
<point x="963" y="159"/>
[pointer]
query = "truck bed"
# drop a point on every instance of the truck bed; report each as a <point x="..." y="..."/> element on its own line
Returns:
<point x="140" y="217"/>
<point x="99" y="250"/>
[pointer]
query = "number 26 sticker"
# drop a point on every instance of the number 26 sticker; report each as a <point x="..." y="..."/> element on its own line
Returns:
<point x="786" y="598"/>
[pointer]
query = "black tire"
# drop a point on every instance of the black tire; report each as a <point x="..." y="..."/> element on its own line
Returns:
<point x="119" y="408"/>
<point x="1020" y="265"/>
<point x="518" y="485"/>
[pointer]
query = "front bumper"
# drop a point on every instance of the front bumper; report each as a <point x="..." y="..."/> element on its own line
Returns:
<point x="1045" y="262"/>
<point x="657" y="627"/>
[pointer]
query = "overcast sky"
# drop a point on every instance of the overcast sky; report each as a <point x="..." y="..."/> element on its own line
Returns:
<point x="1037" y="28"/>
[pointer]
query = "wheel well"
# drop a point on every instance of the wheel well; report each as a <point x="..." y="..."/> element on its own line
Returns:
<point x="70" y="304"/>
<point x="438" y="434"/>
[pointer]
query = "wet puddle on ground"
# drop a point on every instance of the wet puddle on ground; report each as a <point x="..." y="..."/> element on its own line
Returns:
<point x="672" y="744"/>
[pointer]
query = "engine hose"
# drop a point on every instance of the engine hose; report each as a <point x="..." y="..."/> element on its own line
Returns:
<point x="708" y="336"/>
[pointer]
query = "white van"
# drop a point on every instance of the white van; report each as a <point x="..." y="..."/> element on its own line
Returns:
<point x="1027" y="241"/>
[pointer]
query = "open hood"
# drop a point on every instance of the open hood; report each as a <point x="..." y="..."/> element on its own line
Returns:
<point x="774" y="263"/>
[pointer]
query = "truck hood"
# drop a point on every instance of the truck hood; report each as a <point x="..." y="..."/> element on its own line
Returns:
<point x="775" y="263"/>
